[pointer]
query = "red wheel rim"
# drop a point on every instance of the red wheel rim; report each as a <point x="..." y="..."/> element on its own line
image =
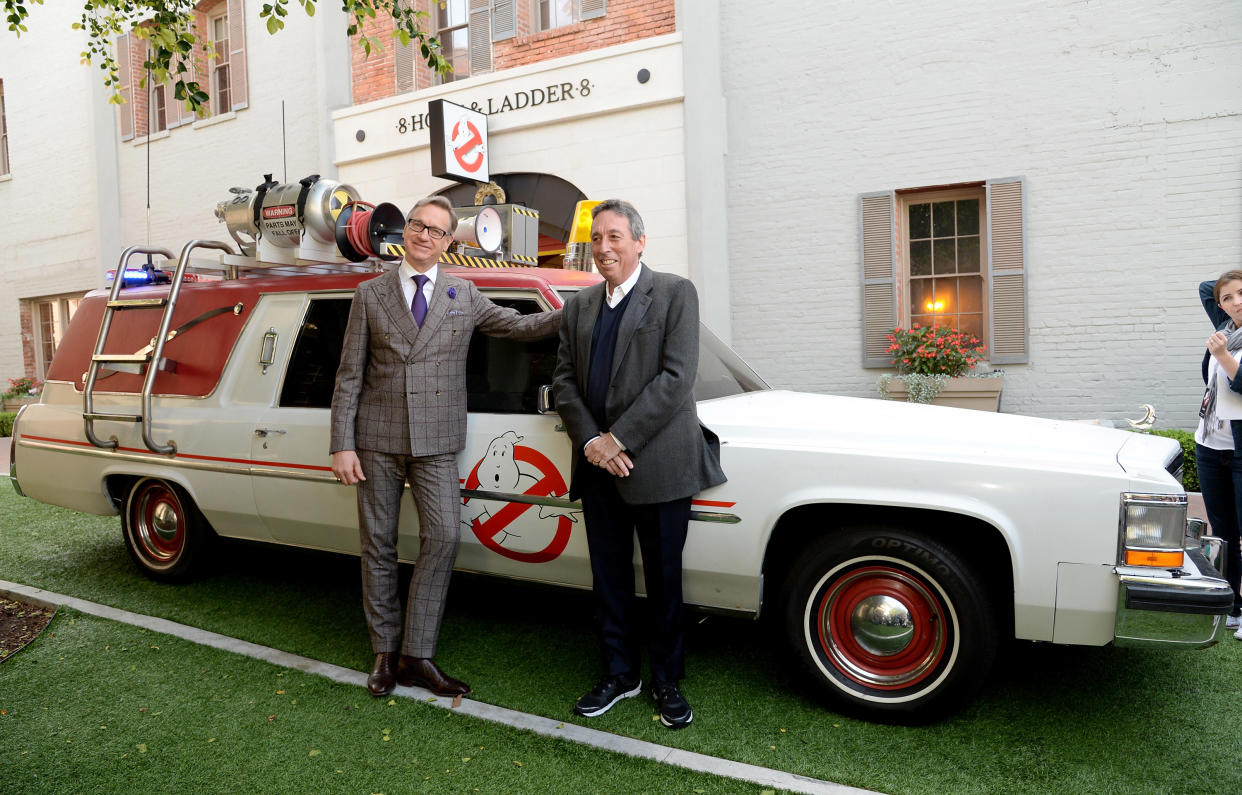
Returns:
<point x="157" y="524"/>
<point x="913" y="630"/>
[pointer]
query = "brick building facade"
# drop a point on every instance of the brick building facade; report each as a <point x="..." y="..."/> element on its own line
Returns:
<point x="766" y="147"/>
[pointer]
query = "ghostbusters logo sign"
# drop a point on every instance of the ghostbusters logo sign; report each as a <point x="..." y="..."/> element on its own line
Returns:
<point x="512" y="468"/>
<point x="458" y="142"/>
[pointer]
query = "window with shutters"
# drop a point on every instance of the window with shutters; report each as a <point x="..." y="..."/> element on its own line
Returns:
<point x="217" y="63"/>
<point x="4" y="136"/>
<point x="947" y="256"/>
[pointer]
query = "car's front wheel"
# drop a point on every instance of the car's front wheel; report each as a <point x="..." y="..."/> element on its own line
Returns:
<point x="889" y="623"/>
<point x="164" y="531"/>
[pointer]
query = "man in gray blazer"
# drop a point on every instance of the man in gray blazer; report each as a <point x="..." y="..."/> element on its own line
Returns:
<point x="398" y="414"/>
<point x="625" y="387"/>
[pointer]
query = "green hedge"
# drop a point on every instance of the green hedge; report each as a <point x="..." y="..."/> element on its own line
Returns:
<point x="6" y="423"/>
<point x="1190" y="472"/>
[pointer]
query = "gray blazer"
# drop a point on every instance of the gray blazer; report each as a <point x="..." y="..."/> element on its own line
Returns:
<point x="650" y="405"/>
<point x="402" y="389"/>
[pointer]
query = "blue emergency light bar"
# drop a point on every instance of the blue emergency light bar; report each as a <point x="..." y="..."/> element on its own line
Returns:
<point x="139" y="277"/>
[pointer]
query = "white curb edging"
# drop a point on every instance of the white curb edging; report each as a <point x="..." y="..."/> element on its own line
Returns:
<point x="539" y="725"/>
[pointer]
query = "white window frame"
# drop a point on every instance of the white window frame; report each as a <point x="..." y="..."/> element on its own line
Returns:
<point x="62" y="308"/>
<point x="157" y="109"/>
<point x="904" y="278"/>
<point x="221" y="64"/>
<point x="575" y="14"/>
<point x="443" y="35"/>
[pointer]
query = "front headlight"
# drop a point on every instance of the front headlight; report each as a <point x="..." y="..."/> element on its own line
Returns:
<point x="1153" y="529"/>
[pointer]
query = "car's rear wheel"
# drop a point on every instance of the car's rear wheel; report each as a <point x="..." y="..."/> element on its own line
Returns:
<point x="164" y="531"/>
<point x="890" y="624"/>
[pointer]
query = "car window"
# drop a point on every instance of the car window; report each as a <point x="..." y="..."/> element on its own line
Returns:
<point x="721" y="371"/>
<point x="503" y="376"/>
<point x="311" y="376"/>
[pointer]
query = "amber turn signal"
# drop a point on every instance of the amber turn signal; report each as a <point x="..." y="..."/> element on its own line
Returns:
<point x="1149" y="557"/>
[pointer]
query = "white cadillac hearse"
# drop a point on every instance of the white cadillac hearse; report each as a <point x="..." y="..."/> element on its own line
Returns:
<point x="898" y="543"/>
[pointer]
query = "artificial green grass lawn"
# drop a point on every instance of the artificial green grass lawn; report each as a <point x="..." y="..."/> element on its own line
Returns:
<point x="97" y="706"/>
<point x="1051" y="719"/>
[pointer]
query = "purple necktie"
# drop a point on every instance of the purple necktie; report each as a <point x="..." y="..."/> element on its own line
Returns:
<point x="419" y="305"/>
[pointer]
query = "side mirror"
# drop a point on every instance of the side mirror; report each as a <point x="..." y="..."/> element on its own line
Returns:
<point x="547" y="401"/>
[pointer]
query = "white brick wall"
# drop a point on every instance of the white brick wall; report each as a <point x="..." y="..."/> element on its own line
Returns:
<point x="47" y="237"/>
<point x="1125" y="118"/>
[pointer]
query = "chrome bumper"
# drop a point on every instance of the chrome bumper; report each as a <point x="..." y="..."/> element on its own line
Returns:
<point x="1182" y="607"/>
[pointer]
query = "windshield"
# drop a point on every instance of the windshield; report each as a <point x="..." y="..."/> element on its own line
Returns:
<point x="721" y="371"/>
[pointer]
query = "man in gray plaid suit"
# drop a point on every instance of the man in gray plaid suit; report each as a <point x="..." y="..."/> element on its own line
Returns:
<point x="398" y="414"/>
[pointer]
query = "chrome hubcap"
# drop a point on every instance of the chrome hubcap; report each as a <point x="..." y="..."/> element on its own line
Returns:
<point x="882" y="625"/>
<point x="164" y="522"/>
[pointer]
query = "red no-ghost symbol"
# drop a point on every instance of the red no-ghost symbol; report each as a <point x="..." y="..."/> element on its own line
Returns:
<point x="550" y="483"/>
<point x="470" y="153"/>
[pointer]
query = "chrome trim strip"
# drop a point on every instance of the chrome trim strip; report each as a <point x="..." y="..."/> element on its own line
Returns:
<point x="146" y="458"/>
<point x="524" y="499"/>
<point x="718" y="517"/>
<point x="554" y="502"/>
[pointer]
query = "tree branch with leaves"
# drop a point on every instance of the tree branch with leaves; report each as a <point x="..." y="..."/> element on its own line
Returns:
<point x="169" y="26"/>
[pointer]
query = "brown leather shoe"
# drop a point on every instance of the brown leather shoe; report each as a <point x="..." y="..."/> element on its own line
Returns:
<point x="383" y="678"/>
<point x="422" y="672"/>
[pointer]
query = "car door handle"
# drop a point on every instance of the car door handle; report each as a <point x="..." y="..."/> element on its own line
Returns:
<point x="268" y="431"/>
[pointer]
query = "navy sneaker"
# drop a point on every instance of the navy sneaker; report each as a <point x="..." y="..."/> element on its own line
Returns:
<point x="675" y="711"/>
<point x="607" y="691"/>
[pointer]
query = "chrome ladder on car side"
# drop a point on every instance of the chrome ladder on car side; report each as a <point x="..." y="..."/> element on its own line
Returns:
<point x="146" y="364"/>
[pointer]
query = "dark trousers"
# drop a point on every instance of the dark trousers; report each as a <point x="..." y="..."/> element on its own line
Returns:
<point x="611" y="524"/>
<point x="1220" y="478"/>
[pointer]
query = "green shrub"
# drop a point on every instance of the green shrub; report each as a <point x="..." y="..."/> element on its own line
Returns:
<point x="1190" y="472"/>
<point x="6" y="423"/>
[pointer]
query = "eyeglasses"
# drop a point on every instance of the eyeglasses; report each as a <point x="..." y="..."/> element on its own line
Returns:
<point x="434" y="232"/>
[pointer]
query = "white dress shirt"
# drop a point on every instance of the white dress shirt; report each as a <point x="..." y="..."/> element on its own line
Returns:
<point x="407" y="282"/>
<point x="614" y="296"/>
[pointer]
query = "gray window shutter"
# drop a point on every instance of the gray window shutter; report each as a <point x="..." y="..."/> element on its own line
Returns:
<point x="593" y="9"/>
<point x="879" y="275"/>
<point x="237" y="54"/>
<point x="480" y="38"/>
<point x="1007" y="271"/>
<point x="125" y="84"/>
<point x="403" y="60"/>
<point x="504" y="20"/>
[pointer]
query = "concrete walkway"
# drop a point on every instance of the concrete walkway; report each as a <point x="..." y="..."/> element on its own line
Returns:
<point x="548" y="727"/>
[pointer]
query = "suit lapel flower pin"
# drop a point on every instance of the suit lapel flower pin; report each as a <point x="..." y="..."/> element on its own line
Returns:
<point x="452" y="292"/>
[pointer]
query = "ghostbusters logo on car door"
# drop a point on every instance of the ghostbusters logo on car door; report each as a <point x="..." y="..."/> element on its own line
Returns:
<point x="519" y="531"/>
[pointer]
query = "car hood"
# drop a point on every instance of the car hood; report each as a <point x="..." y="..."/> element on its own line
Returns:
<point x="798" y="420"/>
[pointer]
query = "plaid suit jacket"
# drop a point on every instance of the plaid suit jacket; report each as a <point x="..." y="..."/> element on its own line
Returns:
<point x="402" y="389"/>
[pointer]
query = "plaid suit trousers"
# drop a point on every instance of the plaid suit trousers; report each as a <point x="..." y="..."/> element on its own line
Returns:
<point x="433" y="482"/>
